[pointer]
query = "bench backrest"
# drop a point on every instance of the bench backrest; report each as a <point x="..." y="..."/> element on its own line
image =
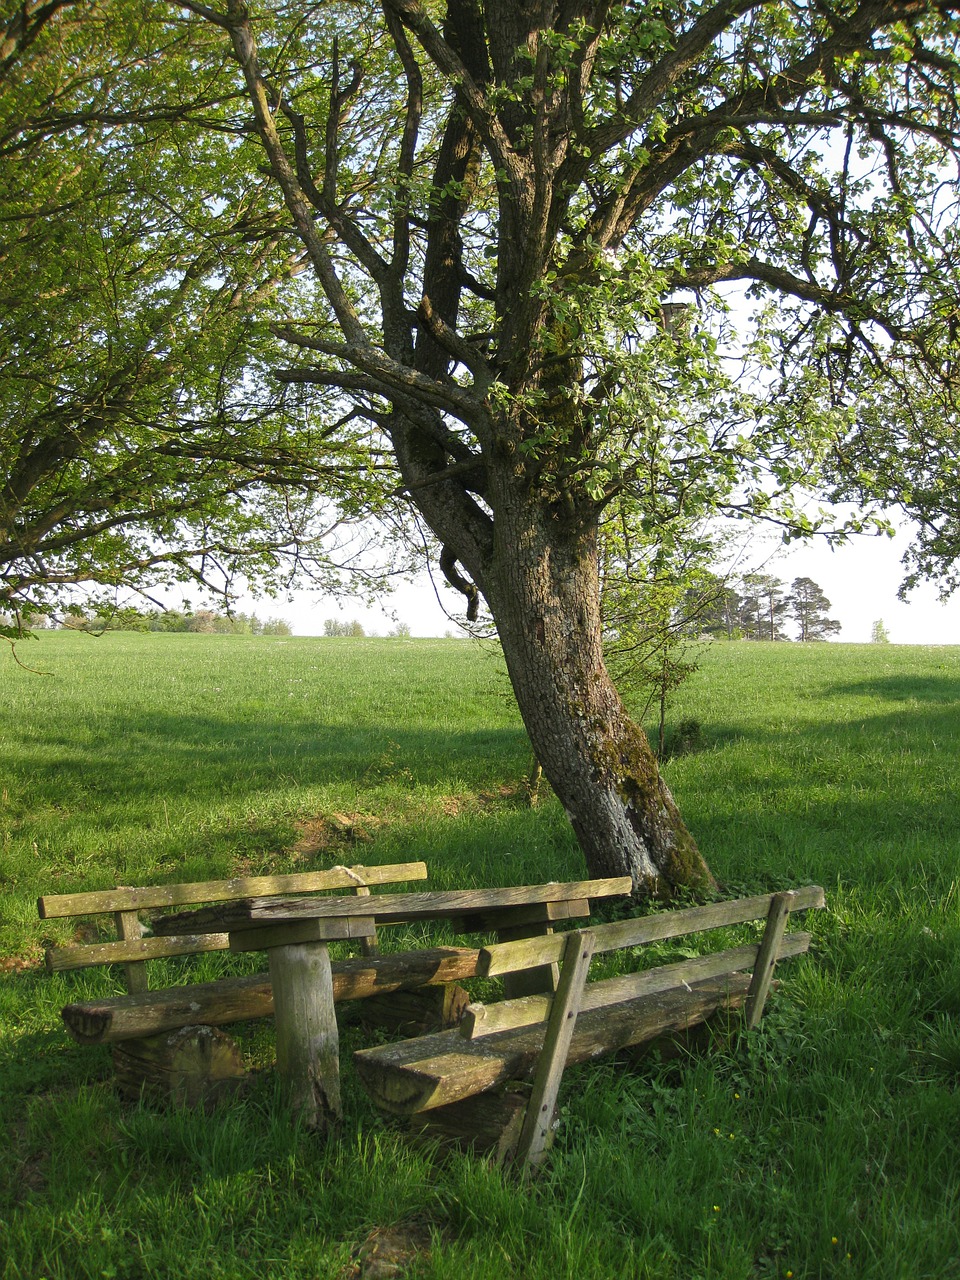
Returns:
<point x="509" y="957"/>
<point x="133" y="949"/>
<point x="574" y="994"/>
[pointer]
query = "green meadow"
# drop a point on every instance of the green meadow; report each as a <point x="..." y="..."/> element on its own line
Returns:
<point x="825" y="1144"/>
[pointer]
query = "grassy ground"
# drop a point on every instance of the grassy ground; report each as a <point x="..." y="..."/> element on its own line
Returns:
<point x="827" y="1144"/>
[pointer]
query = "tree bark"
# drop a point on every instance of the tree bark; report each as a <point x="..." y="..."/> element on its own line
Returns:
<point x="542" y="587"/>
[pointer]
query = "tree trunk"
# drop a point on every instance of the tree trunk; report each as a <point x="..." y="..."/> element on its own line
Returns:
<point x="543" y="590"/>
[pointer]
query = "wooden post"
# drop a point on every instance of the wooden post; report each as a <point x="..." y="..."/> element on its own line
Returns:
<point x="777" y="918"/>
<point x="129" y="929"/>
<point x="535" y="1134"/>
<point x="368" y="946"/>
<point x="308" y="1048"/>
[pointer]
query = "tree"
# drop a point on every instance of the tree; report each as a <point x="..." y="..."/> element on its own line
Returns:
<point x="712" y="607"/>
<point x="809" y="605"/>
<point x="763" y="607"/>
<point x="141" y="440"/>
<point x="503" y="209"/>
<point x="879" y="633"/>
<point x="335" y="627"/>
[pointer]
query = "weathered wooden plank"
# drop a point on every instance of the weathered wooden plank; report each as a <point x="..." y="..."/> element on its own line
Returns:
<point x="488" y="1124"/>
<point x="767" y="957"/>
<point x="268" y="936"/>
<point x="535" y="1133"/>
<point x="507" y="957"/>
<point x="431" y="1071"/>
<point x="116" y="1018"/>
<point x="416" y="1013"/>
<point x="308" y="1042"/>
<point x="538" y="979"/>
<point x="92" y="954"/>
<point x="51" y="906"/>
<point x="86" y="955"/>
<point x="507" y="1015"/>
<point x="386" y="907"/>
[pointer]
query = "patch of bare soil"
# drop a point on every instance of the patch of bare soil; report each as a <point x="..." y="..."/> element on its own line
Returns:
<point x="502" y="797"/>
<point x="19" y="964"/>
<point x="389" y="1252"/>
<point x="333" y="831"/>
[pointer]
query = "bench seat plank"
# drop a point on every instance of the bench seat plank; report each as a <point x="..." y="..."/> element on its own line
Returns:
<point x="84" y="955"/>
<point x="116" y="1018"/>
<point x="431" y="1071"/>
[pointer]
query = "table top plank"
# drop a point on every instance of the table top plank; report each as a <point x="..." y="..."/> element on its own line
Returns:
<point x="386" y="908"/>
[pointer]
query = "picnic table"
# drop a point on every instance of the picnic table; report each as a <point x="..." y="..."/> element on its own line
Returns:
<point x="296" y="932"/>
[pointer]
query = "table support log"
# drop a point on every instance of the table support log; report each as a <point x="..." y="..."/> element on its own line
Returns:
<point x="308" y="1057"/>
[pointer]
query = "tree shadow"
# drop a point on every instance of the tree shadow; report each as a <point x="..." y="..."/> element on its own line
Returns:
<point x="901" y="687"/>
<point x="204" y="757"/>
<point x="868" y="799"/>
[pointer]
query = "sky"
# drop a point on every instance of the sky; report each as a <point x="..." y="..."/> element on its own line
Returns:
<point x="860" y="579"/>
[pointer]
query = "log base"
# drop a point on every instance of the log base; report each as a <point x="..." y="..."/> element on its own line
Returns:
<point x="194" y="1066"/>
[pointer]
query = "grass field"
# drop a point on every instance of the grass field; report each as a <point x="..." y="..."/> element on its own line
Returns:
<point x="827" y="1144"/>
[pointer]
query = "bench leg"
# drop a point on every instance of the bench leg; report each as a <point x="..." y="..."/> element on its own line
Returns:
<point x="129" y="929"/>
<point x="777" y="918"/>
<point x="308" y="1048"/>
<point x="535" y="1134"/>
<point x="368" y="946"/>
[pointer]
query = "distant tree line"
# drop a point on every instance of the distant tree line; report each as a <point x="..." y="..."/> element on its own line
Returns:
<point x="758" y="607"/>
<point x="336" y="627"/>
<point x="205" y="621"/>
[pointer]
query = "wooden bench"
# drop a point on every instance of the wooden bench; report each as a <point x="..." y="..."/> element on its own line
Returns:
<point x="165" y="1040"/>
<point x="454" y="1081"/>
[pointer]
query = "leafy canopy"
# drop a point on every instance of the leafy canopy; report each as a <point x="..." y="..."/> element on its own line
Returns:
<point x="142" y="436"/>
<point x="664" y="260"/>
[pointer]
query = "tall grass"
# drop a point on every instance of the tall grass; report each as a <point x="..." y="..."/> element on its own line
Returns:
<point x="826" y="1144"/>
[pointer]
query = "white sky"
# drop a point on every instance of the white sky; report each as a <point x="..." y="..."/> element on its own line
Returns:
<point x="860" y="580"/>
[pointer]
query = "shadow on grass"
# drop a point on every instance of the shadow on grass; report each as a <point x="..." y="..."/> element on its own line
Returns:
<point x="866" y="799"/>
<point x="902" y="687"/>
<point x="206" y="757"/>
